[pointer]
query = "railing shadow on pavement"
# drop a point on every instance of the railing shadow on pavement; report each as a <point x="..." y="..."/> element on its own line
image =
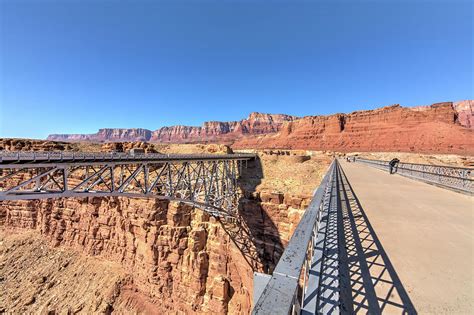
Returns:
<point x="369" y="282"/>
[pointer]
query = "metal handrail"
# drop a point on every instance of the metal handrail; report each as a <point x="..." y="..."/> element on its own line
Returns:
<point x="281" y="294"/>
<point x="401" y="166"/>
<point x="7" y="156"/>
<point x="451" y="177"/>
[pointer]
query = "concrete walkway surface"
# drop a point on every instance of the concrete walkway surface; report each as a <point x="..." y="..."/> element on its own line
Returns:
<point x="417" y="239"/>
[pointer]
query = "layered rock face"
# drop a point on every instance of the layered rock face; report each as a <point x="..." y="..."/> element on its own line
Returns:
<point x="439" y="128"/>
<point x="107" y="134"/>
<point x="178" y="257"/>
<point x="430" y="129"/>
<point x="256" y="123"/>
<point x="465" y="110"/>
<point x="9" y="144"/>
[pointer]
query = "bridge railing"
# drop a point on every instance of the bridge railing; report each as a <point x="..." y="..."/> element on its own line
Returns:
<point x="383" y="165"/>
<point x="456" y="178"/>
<point x="282" y="294"/>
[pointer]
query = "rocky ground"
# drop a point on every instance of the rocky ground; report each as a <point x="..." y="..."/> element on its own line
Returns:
<point x="12" y="144"/>
<point x="291" y="172"/>
<point x="36" y="277"/>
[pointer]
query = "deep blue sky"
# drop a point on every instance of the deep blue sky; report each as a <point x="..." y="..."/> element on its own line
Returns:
<point x="76" y="66"/>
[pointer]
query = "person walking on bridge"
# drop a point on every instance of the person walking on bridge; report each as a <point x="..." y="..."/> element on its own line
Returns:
<point x="393" y="165"/>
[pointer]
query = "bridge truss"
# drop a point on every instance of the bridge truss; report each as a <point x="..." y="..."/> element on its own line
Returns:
<point x="206" y="181"/>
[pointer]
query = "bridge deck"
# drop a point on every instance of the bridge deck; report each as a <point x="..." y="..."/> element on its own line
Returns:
<point x="411" y="238"/>
<point x="9" y="159"/>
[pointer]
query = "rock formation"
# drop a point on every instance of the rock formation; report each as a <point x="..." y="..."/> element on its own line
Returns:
<point x="107" y="134"/>
<point x="211" y="131"/>
<point x="430" y="129"/>
<point x="179" y="258"/>
<point x="465" y="110"/>
<point x="10" y="144"/>
<point x="439" y="128"/>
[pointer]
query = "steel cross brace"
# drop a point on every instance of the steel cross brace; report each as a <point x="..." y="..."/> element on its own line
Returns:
<point x="210" y="183"/>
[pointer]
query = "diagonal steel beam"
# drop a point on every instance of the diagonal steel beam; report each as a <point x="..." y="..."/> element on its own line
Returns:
<point x="12" y="174"/>
<point x="89" y="177"/>
<point x="129" y="178"/>
<point x="31" y="180"/>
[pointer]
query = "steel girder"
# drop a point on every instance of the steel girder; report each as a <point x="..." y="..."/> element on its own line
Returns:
<point x="209" y="183"/>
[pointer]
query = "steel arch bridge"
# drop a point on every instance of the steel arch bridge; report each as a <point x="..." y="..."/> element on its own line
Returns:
<point x="208" y="182"/>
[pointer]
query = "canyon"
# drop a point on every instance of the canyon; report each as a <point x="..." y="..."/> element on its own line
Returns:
<point x="137" y="255"/>
<point x="159" y="256"/>
<point x="439" y="128"/>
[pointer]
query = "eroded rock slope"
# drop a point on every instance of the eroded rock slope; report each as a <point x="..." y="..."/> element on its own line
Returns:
<point x="425" y="129"/>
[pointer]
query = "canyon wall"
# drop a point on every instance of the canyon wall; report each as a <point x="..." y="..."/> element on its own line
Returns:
<point x="439" y="128"/>
<point x="425" y="129"/>
<point x="175" y="258"/>
<point x="179" y="258"/>
<point x="211" y="131"/>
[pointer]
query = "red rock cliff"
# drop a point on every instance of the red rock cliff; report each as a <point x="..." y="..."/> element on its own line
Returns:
<point x="256" y="123"/>
<point x="433" y="129"/>
<point x="465" y="110"/>
<point x="179" y="257"/>
<point x="107" y="134"/>
<point x="439" y="128"/>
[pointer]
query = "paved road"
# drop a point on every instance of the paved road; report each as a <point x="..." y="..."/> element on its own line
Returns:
<point x="423" y="242"/>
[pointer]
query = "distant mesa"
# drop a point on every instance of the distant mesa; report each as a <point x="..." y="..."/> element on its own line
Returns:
<point x="439" y="128"/>
<point x="210" y="131"/>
